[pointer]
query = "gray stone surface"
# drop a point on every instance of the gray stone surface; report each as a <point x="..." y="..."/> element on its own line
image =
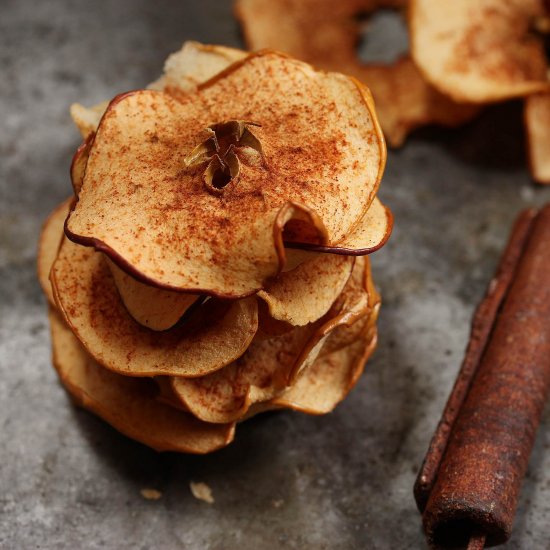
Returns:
<point x="343" y="481"/>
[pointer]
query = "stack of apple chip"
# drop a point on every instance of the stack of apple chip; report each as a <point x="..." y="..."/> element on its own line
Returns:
<point x="212" y="262"/>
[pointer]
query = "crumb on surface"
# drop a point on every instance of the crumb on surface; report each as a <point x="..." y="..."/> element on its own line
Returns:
<point x="150" y="494"/>
<point x="202" y="491"/>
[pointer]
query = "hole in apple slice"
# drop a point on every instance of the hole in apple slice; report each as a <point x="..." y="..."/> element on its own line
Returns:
<point x="384" y="37"/>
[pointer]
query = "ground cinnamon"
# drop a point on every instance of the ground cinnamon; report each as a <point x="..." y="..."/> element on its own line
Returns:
<point x="469" y="483"/>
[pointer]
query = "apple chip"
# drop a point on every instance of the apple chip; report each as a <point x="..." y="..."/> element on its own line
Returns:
<point x="270" y="365"/>
<point x="129" y="404"/>
<point x="214" y="336"/>
<point x="150" y="306"/>
<point x="87" y="119"/>
<point x="194" y="64"/>
<point x="479" y="51"/>
<point x="161" y="221"/>
<point x="371" y="233"/>
<point x="537" y="124"/>
<point x="405" y="101"/>
<point x="48" y="245"/>
<point x="260" y="374"/>
<point x="184" y="70"/>
<point x="306" y="293"/>
<point x="358" y="324"/>
<point x="325" y="34"/>
<point x="329" y="379"/>
<point x="79" y="162"/>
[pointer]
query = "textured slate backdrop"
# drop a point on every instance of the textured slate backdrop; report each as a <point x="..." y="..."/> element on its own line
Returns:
<point x="67" y="480"/>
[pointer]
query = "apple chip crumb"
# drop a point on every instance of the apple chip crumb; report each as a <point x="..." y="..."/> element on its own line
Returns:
<point x="150" y="494"/>
<point x="202" y="491"/>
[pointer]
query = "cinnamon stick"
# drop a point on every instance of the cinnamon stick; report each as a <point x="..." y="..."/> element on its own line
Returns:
<point x="469" y="483"/>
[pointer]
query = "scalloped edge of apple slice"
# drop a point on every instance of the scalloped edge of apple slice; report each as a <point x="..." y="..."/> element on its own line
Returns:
<point x="129" y="404"/>
<point x="213" y="336"/>
<point x="51" y="237"/>
<point x="306" y="293"/>
<point x="369" y="235"/>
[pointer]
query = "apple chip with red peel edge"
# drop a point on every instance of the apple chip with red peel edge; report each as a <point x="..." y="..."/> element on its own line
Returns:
<point x="304" y="294"/>
<point x="48" y="245"/>
<point x="157" y="309"/>
<point x="317" y="391"/>
<point x="213" y="336"/>
<point x="537" y="126"/>
<point x="79" y="162"/>
<point x="325" y="34"/>
<point x="479" y="51"/>
<point x="270" y="365"/>
<point x="129" y="404"/>
<point x="371" y="233"/>
<point x="205" y="242"/>
<point x="151" y="307"/>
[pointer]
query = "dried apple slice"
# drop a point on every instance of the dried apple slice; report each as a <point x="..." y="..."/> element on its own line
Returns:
<point x="329" y="379"/>
<point x="129" y="404"/>
<point x="306" y="293"/>
<point x="325" y="34"/>
<point x="371" y="233"/>
<point x="79" y="162"/>
<point x="163" y="225"/>
<point x="214" y="336"/>
<point x="87" y="119"/>
<point x="257" y="376"/>
<point x="184" y="70"/>
<point x="151" y="307"/>
<point x="405" y="101"/>
<point x="537" y="124"/>
<point x="270" y="364"/>
<point x="358" y="324"/>
<point x="194" y="64"/>
<point x="49" y="243"/>
<point x="479" y="51"/>
<point x="313" y="30"/>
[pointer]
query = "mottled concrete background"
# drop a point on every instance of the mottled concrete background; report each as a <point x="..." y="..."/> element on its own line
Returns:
<point x="344" y="481"/>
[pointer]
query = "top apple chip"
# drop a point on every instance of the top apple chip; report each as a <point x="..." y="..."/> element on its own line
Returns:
<point x="479" y="51"/>
<point x="198" y="193"/>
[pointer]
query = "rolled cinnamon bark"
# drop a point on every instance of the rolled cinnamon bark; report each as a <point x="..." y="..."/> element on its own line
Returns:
<point x="469" y="484"/>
